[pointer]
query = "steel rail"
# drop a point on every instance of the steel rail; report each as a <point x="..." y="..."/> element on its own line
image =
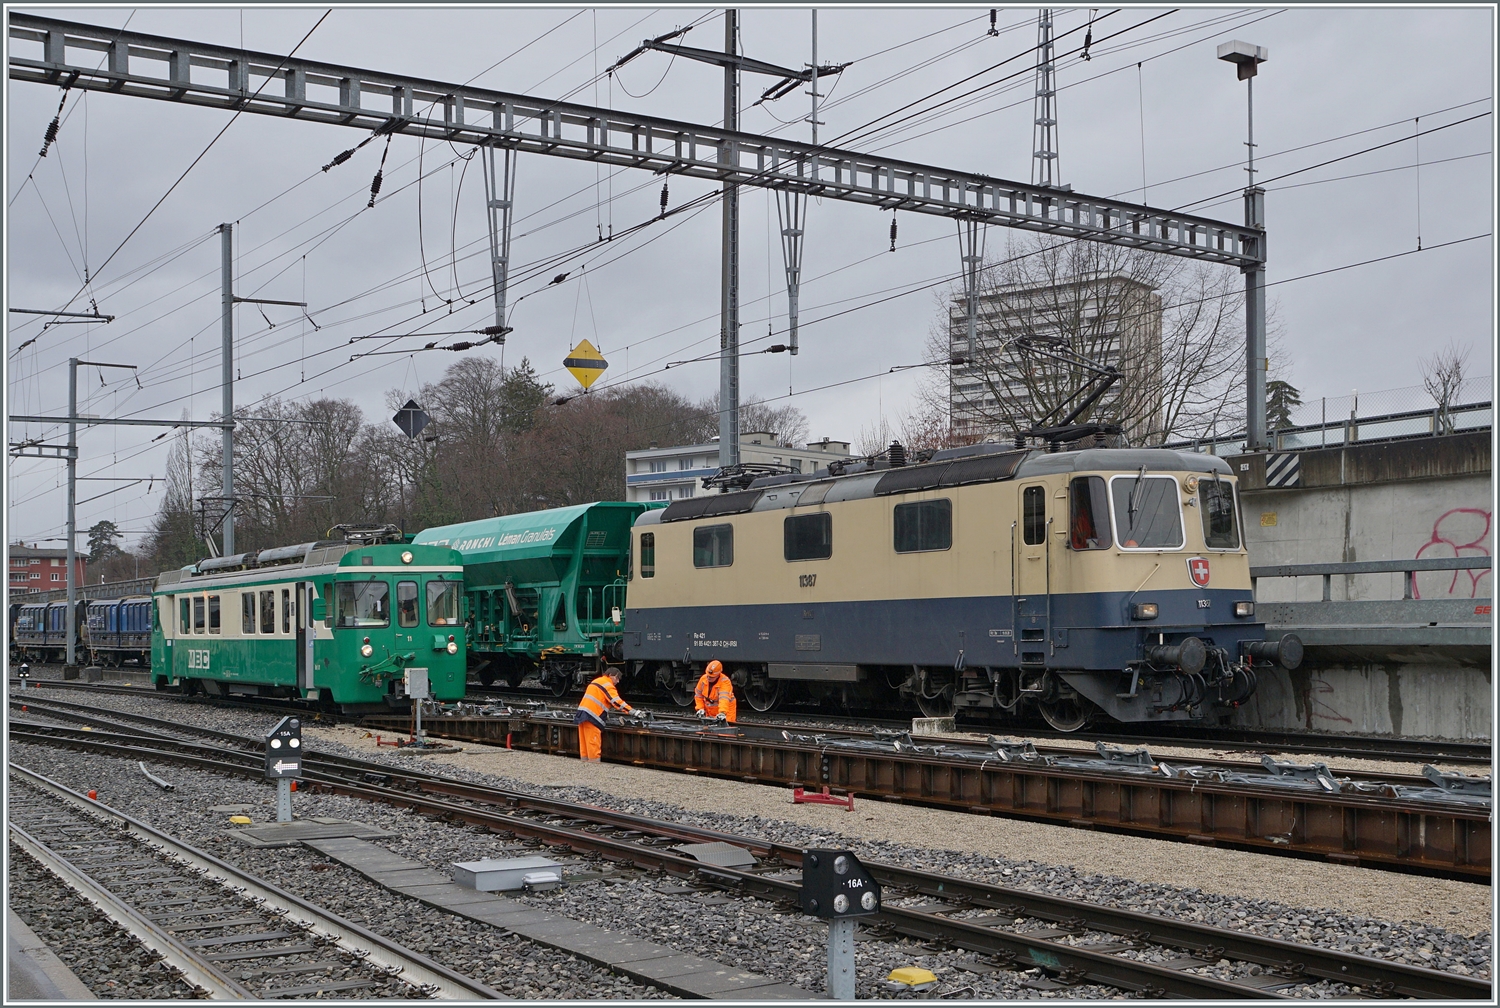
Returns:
<point x="391" y="955"/>
<point x="195" y="969"/>
<point x="86" y="713"/>
<point x="1443" y="840"/>
<point x="337" y="95"/>
<point x="1075" y="963"/>
<point x="1290" y="959"/>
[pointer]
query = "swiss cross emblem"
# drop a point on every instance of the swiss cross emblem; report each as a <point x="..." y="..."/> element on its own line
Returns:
<point x="1198" y="568"/>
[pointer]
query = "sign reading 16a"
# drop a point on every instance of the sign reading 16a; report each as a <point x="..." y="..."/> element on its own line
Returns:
<point x="197" y="659"/>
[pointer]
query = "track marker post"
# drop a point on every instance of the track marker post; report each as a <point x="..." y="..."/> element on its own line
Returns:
<point x="836" y="887"/>
<point x="284" y="762"/>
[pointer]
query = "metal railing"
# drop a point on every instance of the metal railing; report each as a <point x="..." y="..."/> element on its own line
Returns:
<point x="1408" y="568"/>
<point x="103" y="590"/>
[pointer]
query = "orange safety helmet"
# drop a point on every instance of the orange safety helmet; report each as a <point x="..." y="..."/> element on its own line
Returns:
<point x="714" y="668"/>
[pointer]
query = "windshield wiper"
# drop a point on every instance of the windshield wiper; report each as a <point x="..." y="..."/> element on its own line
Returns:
<point x="1135" y="495"/>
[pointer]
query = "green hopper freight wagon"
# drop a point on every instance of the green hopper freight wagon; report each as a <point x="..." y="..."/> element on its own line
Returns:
<point x="339" y="622"/>
<point x="545" y="590"/>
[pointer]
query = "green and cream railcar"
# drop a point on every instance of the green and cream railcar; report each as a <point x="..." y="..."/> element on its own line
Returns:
<point x="1101" y="581"/>
<point x="329" y="621"/>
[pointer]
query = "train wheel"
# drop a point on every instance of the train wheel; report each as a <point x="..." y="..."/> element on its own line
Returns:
<point x="938" y="706"/>
<point x="1067" y="714"/>
<point x="764" y="697"/>
<point x="558" y="686"/>
<point x="681" y="695"/>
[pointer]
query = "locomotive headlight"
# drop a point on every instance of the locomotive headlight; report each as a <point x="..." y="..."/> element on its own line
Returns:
<point x="1190" y="484"/>
<point x="1243" y="609"/>
<point x="452" y="645"/>
<point x="406" y="557"/>
<point x="1145" y="610"/>
<point x="365" y="649"/>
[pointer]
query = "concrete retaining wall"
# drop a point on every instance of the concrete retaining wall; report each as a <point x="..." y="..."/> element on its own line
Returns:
<point x="1417" y="499"/>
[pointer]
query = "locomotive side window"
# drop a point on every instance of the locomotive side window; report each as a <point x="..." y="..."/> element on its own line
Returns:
<point x="442" y="603"/>
<point x="1147" y="515"/>
<point x="1088" y="514"/>
<point x="268" y="612"/>
<point x="923" y="526"/>
<point x="1216" y="501"/>
<point x="808" y="537"/>
<point x="185" y="627"/>
<point x="213" y="614"/>
<point x="247" y="613"/>
<point x="1034" y="515"/>
<point x="286" y="611"/>
<point x="197" y="614"/>
<point x="648" y="554"/>
<point x="363" y="604"/>
<point x="713" y="546"/>
<point x="406" y="603"/>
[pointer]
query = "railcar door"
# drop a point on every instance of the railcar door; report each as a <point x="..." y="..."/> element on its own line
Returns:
<point x="1032" y="577"/>
<point x="305" y="635"/>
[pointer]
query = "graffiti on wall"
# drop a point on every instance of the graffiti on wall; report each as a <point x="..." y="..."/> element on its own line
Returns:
<point x="1459" y="532"/>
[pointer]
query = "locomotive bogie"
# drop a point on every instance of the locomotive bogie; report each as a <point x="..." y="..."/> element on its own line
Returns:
<point x="1098" y="583"/>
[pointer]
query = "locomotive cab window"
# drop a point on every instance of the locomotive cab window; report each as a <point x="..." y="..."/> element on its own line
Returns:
<point x="406" y="603"/>
<point x="1034" y="516"/>
<point x="808" y="537"/>
<point x="1088" y="514"/>
<point x="1216" y="502"/>
<point x="713" y="546"/>
<point x="363" y="604"/>
<point x="924" y="525"/>
<point x="1147" y="515"/>
<point x="648" y="554"/>
<point x="442" y="603"/>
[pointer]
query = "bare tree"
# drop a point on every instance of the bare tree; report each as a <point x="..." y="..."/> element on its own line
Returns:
<point x="173" y="540"/>
<point x="788" y="423"/>
<point x="1442" y="377"/>
<point x="1172" y="327"/>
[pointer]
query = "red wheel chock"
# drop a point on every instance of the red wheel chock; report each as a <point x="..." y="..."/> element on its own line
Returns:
<point x="801" y="797"/>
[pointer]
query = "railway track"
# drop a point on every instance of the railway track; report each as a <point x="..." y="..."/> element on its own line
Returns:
<point x="1071" y="941"/>
<point x="1407" y="750"/>
<point x="1437" y="826"/>
<point x="230" y="934"/>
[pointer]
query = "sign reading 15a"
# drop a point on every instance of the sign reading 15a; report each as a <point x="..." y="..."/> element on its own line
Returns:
<point x="197" y="659"/>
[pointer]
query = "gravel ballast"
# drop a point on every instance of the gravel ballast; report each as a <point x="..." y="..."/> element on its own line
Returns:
<point x="1445" y="925"/>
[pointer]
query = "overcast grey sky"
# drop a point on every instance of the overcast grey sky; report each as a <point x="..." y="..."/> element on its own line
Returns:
<point x="654" y="299"/>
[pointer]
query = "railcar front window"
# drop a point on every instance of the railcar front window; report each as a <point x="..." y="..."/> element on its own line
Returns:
<point x="1088" y="514"/>
<point x="713" y="546"/>
<point x="406" y="603"/>
<point x="442" y="603"/>
<point x="1216" y="501"/>
<point x="363" y="604"/>
<point x="1147" y="515"/>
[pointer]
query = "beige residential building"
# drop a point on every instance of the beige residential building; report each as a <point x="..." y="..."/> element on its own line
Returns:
<point x="658" y="474"/>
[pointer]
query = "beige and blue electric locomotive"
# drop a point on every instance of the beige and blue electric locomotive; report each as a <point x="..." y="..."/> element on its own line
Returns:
<point x="1084" y="584"/>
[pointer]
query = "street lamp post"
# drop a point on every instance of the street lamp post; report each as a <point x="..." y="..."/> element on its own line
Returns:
<point x="1248" y="58"/>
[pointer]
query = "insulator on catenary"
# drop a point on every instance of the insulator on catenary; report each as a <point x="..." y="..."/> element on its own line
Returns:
<point x="993" y="29"/>
<point x="47" y="140"/>
<point x="893" y="232"/>
<point x="341" y="158"/>
<point x="664" y="197"/>
<point x="375" y="187"/>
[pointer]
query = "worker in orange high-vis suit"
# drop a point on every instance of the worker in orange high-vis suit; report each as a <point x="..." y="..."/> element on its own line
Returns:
<point x="714" y="697"/>
<point x="599" y="697"/>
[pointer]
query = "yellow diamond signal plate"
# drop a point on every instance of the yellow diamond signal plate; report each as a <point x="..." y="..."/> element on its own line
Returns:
<point x="585" y="363"/>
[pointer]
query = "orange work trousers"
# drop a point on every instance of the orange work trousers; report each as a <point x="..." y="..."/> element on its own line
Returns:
<point x="590" y="741"/>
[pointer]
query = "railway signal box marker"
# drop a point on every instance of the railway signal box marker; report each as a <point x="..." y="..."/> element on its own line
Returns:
<point x="836" y="887"/>
<point x="411" y="418"/>
<point x="284" y="750"/>
<point x="585" y="363"/>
